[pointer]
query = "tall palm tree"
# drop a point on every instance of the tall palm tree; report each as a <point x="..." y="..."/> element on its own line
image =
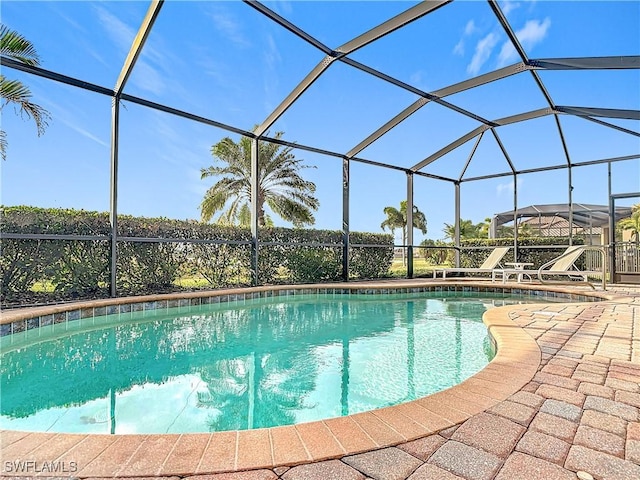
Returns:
<point x="16" y="47"/>
<point x="398" y="219"/>
<point x="280" y="184"/>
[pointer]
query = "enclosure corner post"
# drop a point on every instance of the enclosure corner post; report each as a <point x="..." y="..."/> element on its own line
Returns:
<point x="457" y="224"/>
<point x="113" y="195"/>
<point x="409" y="226"/>
<point x="515" y="217"/>
<point x="345" y="219"/>
<point x="254" y="212"/>
<point x="125" y="72"/>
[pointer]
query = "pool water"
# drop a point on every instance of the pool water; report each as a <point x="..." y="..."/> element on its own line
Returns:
<point x="256" y="363"/>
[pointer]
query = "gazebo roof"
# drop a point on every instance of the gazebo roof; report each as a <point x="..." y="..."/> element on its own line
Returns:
<point x="584" y="214"/>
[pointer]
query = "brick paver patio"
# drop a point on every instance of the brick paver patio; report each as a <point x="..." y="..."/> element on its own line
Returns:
<point x="579" y="413"/>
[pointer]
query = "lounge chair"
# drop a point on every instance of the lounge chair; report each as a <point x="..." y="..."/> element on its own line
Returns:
<point x="488" y="266"/>
<point x="562" y="265"/>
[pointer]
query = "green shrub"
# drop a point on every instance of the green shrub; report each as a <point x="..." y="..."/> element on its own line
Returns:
<point x="370" y="262"/>
<point x="437" y="256"/>
<point x="80" y="268"/>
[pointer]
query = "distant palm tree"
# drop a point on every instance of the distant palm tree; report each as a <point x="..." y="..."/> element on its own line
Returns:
<point x="632" y="223"/>
<point x="18" y="48"/>
<point x="467" y="230"/>
<point x="484" y="228"/>
<point x="398" y="219"/>
<point x="280" y="185"/>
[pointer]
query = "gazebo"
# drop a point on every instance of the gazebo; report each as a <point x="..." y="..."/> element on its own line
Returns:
<point x="563" y="219"/>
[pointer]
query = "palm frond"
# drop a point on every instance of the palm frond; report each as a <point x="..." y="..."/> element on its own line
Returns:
<point x="14" y="91"/>
<point x="3" y="145"/>
<point x="17" y="47"/>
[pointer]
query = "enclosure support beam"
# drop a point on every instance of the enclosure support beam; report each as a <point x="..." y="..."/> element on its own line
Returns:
<point x="113" y="196"/>
<point x="473" y="151"/>
<point x="403" y="115"/>
<point x="457" y="224"/>
<point x="452" y="146"/>
<point x="481" y="80"/>
<point x="138" y="43"/>
<point x="503" y="150"/>
<point x="601" y="112"/>
<point x="518" y="46"/>
<point x="254" y="212"/>
<point x="570" y="176"/>
<point x="587" y="63"/>
<point x="421" y="102"/>
<point x="345" y="219"/>
<point x="552" y="167"/>
<point x="391" y="25"/>
<point x="570" y="179"/>
<point x="611" y="125"/>
<point x="306" y="82"/>
<point x="409" y="226"/>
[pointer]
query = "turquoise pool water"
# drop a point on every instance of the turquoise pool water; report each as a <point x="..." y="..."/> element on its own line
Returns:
<point x="251" y="364"/>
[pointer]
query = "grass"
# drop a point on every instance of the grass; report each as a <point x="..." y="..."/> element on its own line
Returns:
<point x="420" y="267"/>
<point x="196" y="281"/>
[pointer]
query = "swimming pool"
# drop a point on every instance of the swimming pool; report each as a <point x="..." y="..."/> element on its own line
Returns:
<point x="242" y="364"/>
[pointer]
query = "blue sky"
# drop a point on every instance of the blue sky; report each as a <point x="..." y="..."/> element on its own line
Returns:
<point x="227" y="62"/>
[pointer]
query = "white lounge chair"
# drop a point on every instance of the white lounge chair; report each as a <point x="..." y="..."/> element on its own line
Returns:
<point x="488" y="266"/>
<point x="562" y="265"/>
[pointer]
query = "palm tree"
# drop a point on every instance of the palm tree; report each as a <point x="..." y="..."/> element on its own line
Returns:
<point x="18" y="48"/>
<point x="484" y="227"/>
<point x="280" y="185"/>
<point x="398" y="219"/>
<point x="632" y="223"/>
<point x="467" y="230"/>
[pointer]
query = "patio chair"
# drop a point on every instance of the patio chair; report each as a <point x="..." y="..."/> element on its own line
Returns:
<point x="562" y="265"/>
<point x="490" y="264"/>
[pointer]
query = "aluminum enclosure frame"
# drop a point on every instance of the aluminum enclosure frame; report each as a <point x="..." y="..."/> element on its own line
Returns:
<point x="341" y="54"/>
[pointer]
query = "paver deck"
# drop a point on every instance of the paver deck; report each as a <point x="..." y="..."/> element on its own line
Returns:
<point x="561" y="396"/>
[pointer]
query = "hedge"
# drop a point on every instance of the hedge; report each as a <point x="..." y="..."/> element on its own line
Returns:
<point x="57" y="270"/>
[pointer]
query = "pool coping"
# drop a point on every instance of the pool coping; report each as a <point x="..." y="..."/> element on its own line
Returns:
<point x="101" y="455"/>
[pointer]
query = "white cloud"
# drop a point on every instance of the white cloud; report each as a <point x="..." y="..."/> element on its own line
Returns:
<point x="70" y="118"/>
<point x="470" y="28"/>
<point x="147" y="78"/>
<point x="119" y="32"/>
<point x="533" y="32"/>
<point x="272" y="53"/>
<point x="417" y="79"/>
<point x="86" y="134"/>
<point x="507" y="187"/>
<point x="270" y="78"/>
<point x="227" y="25"/>
<point x="459" y="48"/>
<point x="509" y="6"/>
<point x="283" y="7"/>
<point x="483" y="51"/>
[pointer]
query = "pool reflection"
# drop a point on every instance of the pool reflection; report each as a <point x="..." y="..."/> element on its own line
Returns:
<point x="260" y="364"/>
